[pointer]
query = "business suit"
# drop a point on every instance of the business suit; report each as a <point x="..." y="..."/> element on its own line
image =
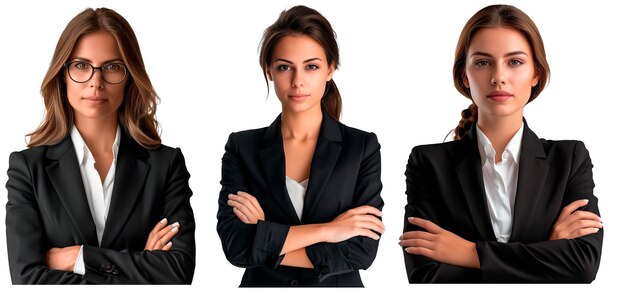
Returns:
<point x="47" y="207"/>
<point x="445" y="186"/>
<point x="345" y="173"/>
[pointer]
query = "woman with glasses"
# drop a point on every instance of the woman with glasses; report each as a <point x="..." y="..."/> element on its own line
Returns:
<point x="96" y="198"/>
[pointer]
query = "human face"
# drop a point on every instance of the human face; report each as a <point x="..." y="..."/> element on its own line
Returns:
<point x="499" y="72"/>
<point x="95" y="99"/>
<point x="299" y="70"/>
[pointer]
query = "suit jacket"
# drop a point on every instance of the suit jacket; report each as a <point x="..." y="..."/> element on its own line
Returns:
<point x="47" y="207"/>
<point x="445" y="186"/>
<point x="345" y="173"/>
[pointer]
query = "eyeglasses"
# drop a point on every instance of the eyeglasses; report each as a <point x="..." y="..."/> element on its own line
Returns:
<point x="82" y="72"/>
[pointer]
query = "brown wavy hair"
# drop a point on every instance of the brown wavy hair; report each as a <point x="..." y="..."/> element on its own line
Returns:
<point x="137" y="111"/>
<point x="302" y="20"/>
<point x="490" y="17"/>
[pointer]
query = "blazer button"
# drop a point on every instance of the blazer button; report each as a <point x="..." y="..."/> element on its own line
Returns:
<point x="106" y="267"/>
<point x="294" y="283"/>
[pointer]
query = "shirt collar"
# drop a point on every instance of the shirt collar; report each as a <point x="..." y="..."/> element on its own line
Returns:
<point x="82" y="151"/>
<point x="485" y="148"/>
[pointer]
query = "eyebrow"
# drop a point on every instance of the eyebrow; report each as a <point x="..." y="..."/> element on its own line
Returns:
<point x="291" y="62"/>
<point x="89" y="61"/>
<point x="481" y="53"/>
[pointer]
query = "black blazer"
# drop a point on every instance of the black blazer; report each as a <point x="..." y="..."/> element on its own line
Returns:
<point x="47" y="207"/>
<point x="345" y="173"/>
<point x="445" y="185"/>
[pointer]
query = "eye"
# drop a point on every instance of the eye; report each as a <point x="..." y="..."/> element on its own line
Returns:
<point x="482" y="63"/>
<point x="312" y="67"/>
<point x="516" y="62"/>
<point x="282" y="67"/>
<point x="81" y="65"/>
<point x="113" y="67"/>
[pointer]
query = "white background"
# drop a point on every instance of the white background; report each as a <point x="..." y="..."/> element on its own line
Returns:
<point x="395" y="80"/>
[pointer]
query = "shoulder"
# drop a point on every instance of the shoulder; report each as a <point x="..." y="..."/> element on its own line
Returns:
<point x="250" y="135"/>
<point x="439" y="149"/>
<point x="32" y="156"/>
<point x="245" y="139"/>
<point x="565" y="149"/>
<point x="352" y="133"/>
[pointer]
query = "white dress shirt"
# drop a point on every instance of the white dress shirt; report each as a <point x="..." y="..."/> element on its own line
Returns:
<point x="98" y="192"/>
<point x="500" y="181"/>
<point x="296" y="191"/>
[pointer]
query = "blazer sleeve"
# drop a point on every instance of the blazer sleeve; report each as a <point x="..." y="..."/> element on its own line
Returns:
<point x="423" y="202"/>
<point x="176" y="266"/>
<point x="358" y="252"/>
<point x="564" y="260"/>
<point x="26" y="240"/>
<point x="245" y="245"/>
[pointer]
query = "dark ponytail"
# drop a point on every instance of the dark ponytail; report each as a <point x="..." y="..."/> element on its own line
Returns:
<point x="302" y="20"/>
<point x="469" y="116"/>
<point x="331" y="101"/>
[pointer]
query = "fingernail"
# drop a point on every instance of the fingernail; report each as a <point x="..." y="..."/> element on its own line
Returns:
<point x="230" y="195"/>
<point x="596" y="229"/>
<point x="169" y="244"/>
<point x="411" y="218"/>
<point x="176" y="224"/>
<point x="174" y="229"/>
<point x="164" y="220"/>
<point x="586" y="200"/>
<point x="239" y="192"/>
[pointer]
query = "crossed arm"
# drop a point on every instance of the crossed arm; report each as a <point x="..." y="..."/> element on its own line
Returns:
<point x="33" y="260"/>
<point x="347" y="243"/>
<point x="570" y="254"/>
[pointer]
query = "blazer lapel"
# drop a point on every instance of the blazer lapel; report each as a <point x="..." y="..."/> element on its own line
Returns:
<point x="469" y="173"/>
<point x="325" y="157"/>
<point x="533" y="169"/>
<point x="64" y="172"/>
<point x="272" y="158"/>
<point x="130" y="176"/>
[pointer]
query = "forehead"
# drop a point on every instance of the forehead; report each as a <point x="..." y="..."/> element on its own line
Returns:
<point x="298" y="48"/>
<point x="499" y="40"/>
<point x="96" y="46"/>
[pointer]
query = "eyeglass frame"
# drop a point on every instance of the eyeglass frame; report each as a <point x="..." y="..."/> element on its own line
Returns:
<point x="93" y="71"/>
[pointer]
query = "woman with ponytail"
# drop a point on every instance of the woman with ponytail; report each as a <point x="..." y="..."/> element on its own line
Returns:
<point x="499" y="204"/>
<point x="300" y="202"/>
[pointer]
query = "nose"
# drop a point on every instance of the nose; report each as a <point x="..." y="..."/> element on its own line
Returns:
<point x="97" y="81"/>
<point x="499" y="75"/>
<point x="297" y="79"/>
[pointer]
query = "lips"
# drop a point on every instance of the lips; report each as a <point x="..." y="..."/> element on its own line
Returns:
<point x="95" y="99"/>
<point x="499" y="96"/>
<point x="298" y="97"/>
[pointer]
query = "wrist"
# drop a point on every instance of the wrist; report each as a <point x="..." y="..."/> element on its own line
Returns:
<point x="473" y="261"/>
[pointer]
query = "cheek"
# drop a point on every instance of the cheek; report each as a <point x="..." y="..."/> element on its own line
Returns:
<point x="72" y="91"/>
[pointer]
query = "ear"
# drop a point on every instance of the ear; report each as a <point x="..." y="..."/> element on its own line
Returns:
<point x="535" y="80"/>
<point x="269" y="74"/>
<point x="331" y="71"/>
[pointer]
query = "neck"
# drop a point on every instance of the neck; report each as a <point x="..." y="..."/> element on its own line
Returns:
<point x="98" y="134"/>
<point x="301" y="125"/>
<point x="500" y="130"/>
